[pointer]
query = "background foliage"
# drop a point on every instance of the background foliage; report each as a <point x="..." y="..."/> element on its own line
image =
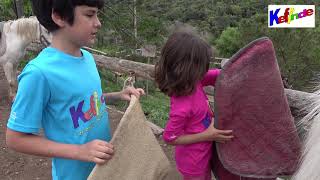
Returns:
<point x="227" y="25"/>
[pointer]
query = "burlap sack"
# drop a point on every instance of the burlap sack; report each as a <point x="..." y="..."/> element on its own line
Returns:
<point x="138" y="155"/>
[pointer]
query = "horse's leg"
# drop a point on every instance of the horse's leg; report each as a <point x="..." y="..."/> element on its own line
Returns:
<point x="10" y="75"/>
<point x="14" y="80"/>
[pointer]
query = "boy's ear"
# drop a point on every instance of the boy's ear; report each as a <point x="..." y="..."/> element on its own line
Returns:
<point x="58" y="19"/>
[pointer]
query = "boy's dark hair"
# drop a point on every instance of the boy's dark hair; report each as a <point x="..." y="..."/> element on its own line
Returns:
<point x="64" y="8"/>
<point x="184" y="61"/>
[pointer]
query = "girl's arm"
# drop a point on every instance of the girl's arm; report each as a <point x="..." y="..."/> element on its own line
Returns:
<point x="96" y="151"/>
<point x="210" y="134"/>
<point x="188" y="139"/>
<point x="180" y="108"/>
<point x="210" y="77"/>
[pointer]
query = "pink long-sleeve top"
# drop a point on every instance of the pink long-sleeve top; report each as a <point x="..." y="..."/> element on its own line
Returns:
<point x="191" y="115"/>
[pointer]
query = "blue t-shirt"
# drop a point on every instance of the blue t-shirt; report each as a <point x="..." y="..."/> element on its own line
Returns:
<point x="62" y="94"/>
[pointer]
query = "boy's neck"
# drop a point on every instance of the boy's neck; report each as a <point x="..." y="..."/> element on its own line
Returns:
<point x="65" y="46"/>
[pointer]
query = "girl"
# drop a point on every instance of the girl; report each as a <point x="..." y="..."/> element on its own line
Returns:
<point x="181" y="73"/>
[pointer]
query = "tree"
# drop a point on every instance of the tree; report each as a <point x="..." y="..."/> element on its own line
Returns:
<point x="19" y="8"/>
<point x="228" y="42"/>
<point x="296" y="49"/>
<point x="6" y="10"/>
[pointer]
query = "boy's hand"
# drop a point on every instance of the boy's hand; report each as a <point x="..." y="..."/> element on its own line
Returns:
<point x="96" y="151"/>
<point x="127" y="92"/>
<point x="213" y="134"/>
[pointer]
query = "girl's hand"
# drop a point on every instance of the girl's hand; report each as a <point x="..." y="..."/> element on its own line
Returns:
<point x="96" y="151"/>
<point x="126" y="93"/>
<point x="213" y="134"/>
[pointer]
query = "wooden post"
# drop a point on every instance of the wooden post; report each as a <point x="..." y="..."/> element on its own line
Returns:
<point x="148" y="51"/>
<point x="147" y="82"/>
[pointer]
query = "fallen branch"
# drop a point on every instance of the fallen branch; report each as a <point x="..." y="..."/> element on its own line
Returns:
<point x="146" y="71"/>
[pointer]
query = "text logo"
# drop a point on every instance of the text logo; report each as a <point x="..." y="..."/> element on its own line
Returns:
<point x="291" y="16"/>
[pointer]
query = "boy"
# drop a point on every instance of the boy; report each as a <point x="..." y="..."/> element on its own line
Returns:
<point x="60" y="91"/>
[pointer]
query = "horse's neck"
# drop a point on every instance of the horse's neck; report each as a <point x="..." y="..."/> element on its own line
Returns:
<point x="26" y="42"/>
<point x="23" y="42"/>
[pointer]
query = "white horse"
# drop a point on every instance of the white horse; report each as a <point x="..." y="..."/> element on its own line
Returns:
<point x="15" y="36"/>
<point x="310" y="160"/>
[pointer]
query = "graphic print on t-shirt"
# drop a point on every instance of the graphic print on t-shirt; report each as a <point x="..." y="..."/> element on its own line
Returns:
<point x="206" y="121"/>
<point x="97" y="109"/>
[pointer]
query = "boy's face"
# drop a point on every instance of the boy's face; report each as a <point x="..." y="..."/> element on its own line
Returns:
<point x="85" y="26"/>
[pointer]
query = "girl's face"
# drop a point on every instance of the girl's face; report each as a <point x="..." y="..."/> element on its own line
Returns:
<point x="84" y="29"/>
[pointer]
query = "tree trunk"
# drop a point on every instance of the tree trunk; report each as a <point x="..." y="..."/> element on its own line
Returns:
<point x="145" y="71"/>
<point x="19" y="8"/>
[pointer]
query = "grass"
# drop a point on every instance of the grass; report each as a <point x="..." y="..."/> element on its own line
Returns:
<point x="156" y="108"/>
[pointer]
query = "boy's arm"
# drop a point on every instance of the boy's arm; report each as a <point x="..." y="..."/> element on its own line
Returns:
<point x="123" y="95"/>
<point x="95" y="151"/>
<point x="112" y="97"/>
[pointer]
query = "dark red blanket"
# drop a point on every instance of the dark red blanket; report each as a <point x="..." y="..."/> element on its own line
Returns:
<point x="250" y="100"/>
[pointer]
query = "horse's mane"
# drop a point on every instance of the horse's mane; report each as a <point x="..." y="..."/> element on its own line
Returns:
<point x="25" y="27"/>
<point x="310" y="156"/>
<point x="318" y="88"/>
